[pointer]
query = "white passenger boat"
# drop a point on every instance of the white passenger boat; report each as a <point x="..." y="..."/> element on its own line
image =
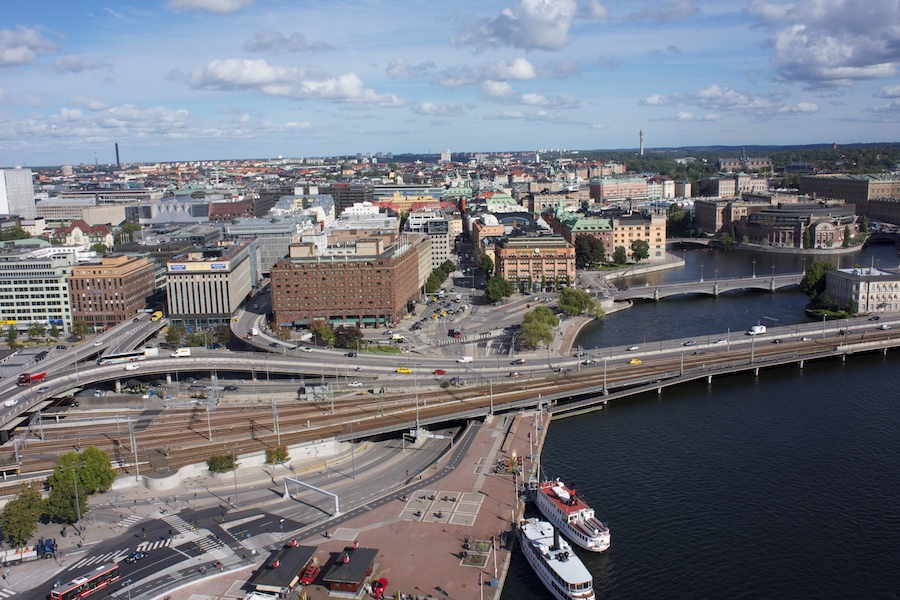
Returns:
<point x="565" y="509"/>
<point x="554" y="562"/>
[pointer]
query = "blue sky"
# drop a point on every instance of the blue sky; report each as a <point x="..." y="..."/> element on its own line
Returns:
<point x="205" y="79"/>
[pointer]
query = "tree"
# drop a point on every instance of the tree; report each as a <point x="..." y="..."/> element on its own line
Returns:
<point x="175" y="333"/>
<point x="19" y="519"/>
<point x="852" y="306"/>
<point x="620" y="256"/>
<point x="497" y="288"/>
<point x="11" y="336"/>
<point x="277" y="455"/>
<point x="221" y="463"/>
<point x="36" y="330"/>
<point x="80" y="328"/>
<point x="486" y="265"/>
<point x="848" y="237"/>
<point x="575" y="302"/>
<point x="94" y="474"/>
<point x="348" y="337"/>
<point x="813" y="282"/>
<point x="537" y="327"/>
<point x="640" y="249"/>
<point x="864" y="225"/>
<point x="99" y="248"/>
<point x="807" y="238"/>
<point x="221" y="334"/>
<point x="589" y="251"/>
<point x="726" y="239"/>
<point x="126" y="233"/>
<point x="448" y="266"/>
<point x="432" y="284"/>
<point x="54" y="332"/>
<point x="8" y="234"/>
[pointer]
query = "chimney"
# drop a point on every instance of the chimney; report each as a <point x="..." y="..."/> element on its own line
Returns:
<point x="118" y="164"/>
<point x="555" y="538"/>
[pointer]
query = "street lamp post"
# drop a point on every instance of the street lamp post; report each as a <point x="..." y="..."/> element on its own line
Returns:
<point x="754" y="268"/>
<point x="701" y="272"/>
<point x="237" y="503"/>
<point x="126" y="584"/>
<point x="773" y="271"/>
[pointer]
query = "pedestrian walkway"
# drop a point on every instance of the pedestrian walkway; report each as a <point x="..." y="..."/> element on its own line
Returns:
<point x="6" y="593"/>
<point x="147" y="546"/>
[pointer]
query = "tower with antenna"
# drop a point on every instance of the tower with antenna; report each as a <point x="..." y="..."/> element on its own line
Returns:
<point x="642" y="141"/>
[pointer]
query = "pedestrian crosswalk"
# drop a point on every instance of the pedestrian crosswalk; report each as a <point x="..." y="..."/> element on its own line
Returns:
<point x="6" y="593"/>
<point x="178" y="524"/>
<point x="114" y="556"/>
<point x="146" y="546"/>
<point x="208" y="543"/>
<point x="129" y="521"/>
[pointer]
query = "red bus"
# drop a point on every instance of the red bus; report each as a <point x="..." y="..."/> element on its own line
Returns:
<point x="83" y="586"/>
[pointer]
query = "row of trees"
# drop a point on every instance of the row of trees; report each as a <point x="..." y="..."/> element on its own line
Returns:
<point x="180" y="336"/>
<point x="437" y="277"/>
<point x="76" y="475"/>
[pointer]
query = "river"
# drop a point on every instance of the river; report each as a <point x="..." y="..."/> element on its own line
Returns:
<point x="782" y="486"/>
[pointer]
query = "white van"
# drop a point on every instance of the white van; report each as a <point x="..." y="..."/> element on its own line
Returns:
<point x="465" y="359"/>
<point x="756" y="330"/>
<point x="181" y="352"/>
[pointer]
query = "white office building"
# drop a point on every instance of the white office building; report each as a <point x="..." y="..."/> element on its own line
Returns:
<point x="17" y="193"/>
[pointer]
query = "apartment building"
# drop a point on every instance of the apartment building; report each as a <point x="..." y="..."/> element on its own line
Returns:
<point x="535" y="263"/>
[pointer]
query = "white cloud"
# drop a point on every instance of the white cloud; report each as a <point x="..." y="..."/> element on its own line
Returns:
<point x="530" y="24"/>
<point x="214" y="6"/>
<point x="289" y="82"/>
<point x="726" y="99"/>
<point x="20" y="46"/>
<point x="497" y="89"/>
<point x="519" y="68"/>
<point x="77" y="64"/>
<point x="400" y="69"/>
<point x="654" y="100"/>
<point x="891" y="107"/>
<point x="561" y="101"/>
<point x="429" y="109"/>
<point x="506" y="115"/>
<point x="595" y="11"/>
<point x="891" y="91"/>
<point x="832" y="42"/>
<point x="275" y="41"/>
<point x="687" y="116"/>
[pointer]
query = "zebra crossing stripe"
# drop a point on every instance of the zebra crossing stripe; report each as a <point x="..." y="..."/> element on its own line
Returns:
<point x="5" y="593"/>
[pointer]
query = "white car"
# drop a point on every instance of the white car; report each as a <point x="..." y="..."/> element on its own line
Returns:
<point x="306" y="349"/>
<point x="632" y="348"/>
<point x="717" y="342"/>
<point x="355" y="384"/>
<point x="132" y="367"/>
<point x="98" y="343"/>
<point x="43" y="389"/>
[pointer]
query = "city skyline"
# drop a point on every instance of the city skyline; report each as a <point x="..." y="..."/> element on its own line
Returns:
<point x="172" y="80"/>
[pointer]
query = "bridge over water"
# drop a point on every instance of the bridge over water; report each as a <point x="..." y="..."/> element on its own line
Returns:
<point x="711" y="287"/>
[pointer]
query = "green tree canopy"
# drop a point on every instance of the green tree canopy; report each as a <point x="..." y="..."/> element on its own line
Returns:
<point x="80" y="328"/>
<point x="640" y="249"/>
<point x="175" y="333"/>
<point x="432" y="284"/>
<point x="36" y="330"/>
<point x="573" y="302"/>
<point x="19" y="519"/>
<point x="726" y="239"/>
<point x="620" y="255"/>
<point x="221" y="334"/>
<point x="537" y="327"/>
<point x="94" y="474"/>
<point x="8" y="234"/>
<point x="486" y="265"/>
<point x="11" y="336"/>
<point x="448" y="266"/>
<point x="221" y="463"/>
<point x="589" y="251"/>
<point x="497" y="288"/>
<point x="813" y="282"/>
<point x="348" y="336"/>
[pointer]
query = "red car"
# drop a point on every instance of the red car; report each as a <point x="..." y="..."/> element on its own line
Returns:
<point x="310" y="574"/>
<point x="439" y="372"/>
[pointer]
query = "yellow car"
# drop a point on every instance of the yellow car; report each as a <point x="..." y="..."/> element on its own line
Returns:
<point x="636" y="361"/>
<point x="404" y="370"/>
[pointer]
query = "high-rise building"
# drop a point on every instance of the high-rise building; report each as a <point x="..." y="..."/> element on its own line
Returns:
<point x="17" y="193"/>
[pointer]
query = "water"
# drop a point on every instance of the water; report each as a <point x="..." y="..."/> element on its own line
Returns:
<point x="784" y="486"/>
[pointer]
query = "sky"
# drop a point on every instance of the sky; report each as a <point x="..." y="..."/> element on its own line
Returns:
<point x="176" y="80"/>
